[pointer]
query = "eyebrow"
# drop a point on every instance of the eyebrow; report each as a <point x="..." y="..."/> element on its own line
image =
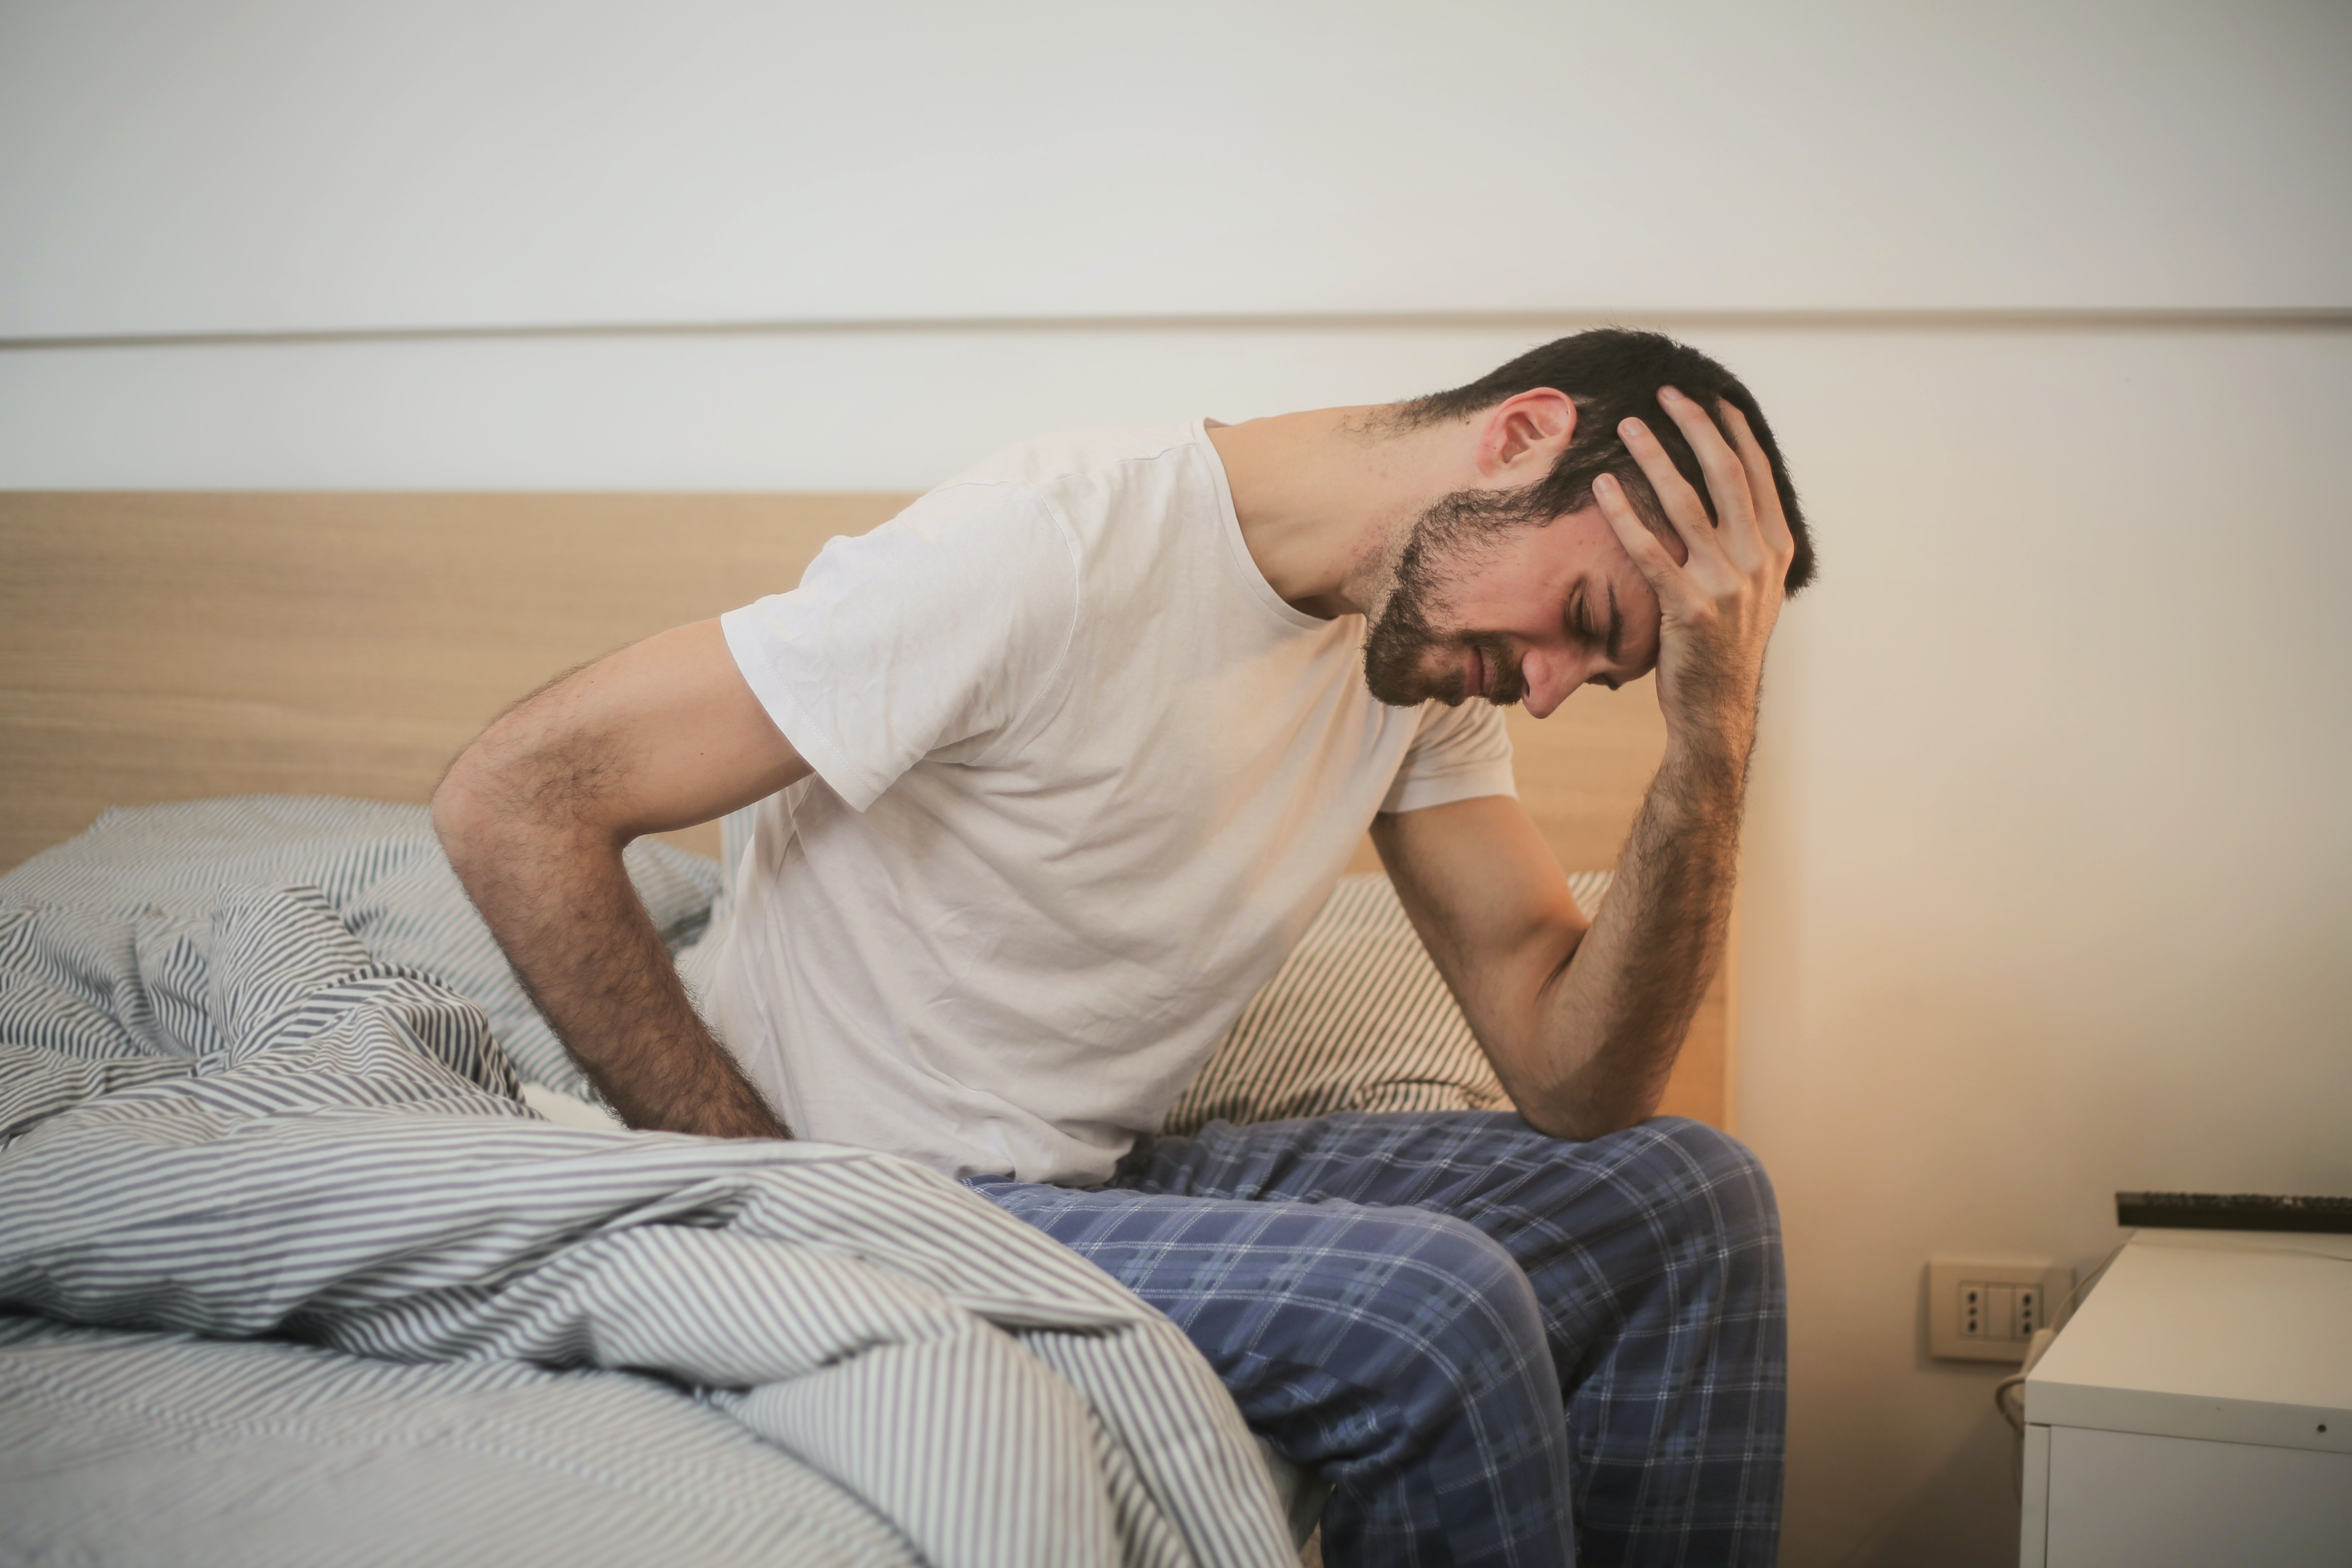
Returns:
<point x="1616" y="628"/>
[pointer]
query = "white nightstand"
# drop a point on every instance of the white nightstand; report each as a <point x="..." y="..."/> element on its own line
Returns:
<point x="2198" y="1410"/>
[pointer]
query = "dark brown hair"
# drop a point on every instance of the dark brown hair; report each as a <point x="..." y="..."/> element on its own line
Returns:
<point x="1613" y="373"/>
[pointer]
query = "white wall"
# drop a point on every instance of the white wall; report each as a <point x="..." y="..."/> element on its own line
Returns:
<point x="167" y="165"/>
<point x="2050" y="879"/>
<point x="2049" y="863"/>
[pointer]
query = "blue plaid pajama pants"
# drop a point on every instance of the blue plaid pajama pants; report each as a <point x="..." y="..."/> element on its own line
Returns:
<point x="1499" y="1347"/>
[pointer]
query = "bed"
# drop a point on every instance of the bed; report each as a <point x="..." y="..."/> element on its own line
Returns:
<point x="225" y="928"/>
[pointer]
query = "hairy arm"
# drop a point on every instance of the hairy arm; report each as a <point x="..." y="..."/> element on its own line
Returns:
<point x="1583" y="1023"/>
<point x="535" y="814"/>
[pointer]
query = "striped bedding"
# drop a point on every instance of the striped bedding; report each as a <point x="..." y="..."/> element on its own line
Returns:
<point x="1357" y="1018"/>
<point x="381" y="867"/>
<point x="287" y="1274"/>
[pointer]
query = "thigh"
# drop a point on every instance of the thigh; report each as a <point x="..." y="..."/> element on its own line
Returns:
<point x="1444" y="1160"/>
<point x="1594" y="1223"/>
<point x="1281" y="1281"/>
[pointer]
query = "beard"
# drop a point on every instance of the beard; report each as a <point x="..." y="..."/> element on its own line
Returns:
<point x="1446" y="540"/>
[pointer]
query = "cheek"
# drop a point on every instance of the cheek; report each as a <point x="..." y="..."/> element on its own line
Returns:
<point x="1501" y="600"/>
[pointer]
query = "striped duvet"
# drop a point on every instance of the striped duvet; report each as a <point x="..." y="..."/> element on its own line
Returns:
<point x="288" y="1275"/>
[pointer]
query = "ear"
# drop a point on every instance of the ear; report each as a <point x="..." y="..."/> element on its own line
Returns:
<point x="1522" y="436"/>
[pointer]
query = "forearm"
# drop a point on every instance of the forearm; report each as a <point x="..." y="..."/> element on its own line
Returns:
<point x="558" y="900"/>
<point x="1610" y="1021"/>
<point x="535" y="814"/>
<point x="1582" y="1023"/>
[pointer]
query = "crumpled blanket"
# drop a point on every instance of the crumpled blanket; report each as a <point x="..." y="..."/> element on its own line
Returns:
<point x="254" y="1131"/>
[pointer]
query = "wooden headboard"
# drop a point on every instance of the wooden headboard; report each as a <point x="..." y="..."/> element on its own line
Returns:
<point x="159" y="647"/>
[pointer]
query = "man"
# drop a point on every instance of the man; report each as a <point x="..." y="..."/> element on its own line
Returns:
<point x="1052" y="769"/>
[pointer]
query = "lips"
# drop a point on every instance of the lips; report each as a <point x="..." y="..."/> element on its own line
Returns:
<point x="1477" y="672"/>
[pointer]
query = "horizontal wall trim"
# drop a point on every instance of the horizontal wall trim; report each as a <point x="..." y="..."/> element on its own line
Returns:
<point x="2052" y="318"/>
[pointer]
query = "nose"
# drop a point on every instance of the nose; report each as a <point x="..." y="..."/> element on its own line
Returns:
<point x="1551" y="677"/>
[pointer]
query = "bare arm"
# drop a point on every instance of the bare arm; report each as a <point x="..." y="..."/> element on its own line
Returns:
<point x="535" y="814"/>
<point x="1582" y="1024"/>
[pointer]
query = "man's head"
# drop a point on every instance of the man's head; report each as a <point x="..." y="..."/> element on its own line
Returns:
<point x="1479" y="566"/>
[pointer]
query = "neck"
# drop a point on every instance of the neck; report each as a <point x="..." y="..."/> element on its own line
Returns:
<point x="1325" y="497"/>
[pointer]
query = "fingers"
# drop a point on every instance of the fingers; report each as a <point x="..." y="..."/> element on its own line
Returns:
<point x="1651" y="557"/>
<point x="1726" y="477"/>
<point x="1682" y="508"/>
<point x="1761" y="486"/>
<point x="1750" y="532"/>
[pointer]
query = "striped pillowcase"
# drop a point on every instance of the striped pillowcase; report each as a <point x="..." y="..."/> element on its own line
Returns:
<point x="1357" y="1018"/>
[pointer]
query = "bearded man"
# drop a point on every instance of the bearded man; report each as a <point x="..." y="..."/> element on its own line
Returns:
<point x="1053" y="769"/>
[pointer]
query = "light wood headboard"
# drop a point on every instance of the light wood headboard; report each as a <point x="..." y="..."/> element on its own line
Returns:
<point x="161" y="647"/>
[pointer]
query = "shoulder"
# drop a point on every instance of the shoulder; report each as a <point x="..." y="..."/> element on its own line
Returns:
<point x="971" y="537"/>
<point x="1081" y="459"/>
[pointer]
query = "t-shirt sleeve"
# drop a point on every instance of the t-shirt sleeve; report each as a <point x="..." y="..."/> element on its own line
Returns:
<point x="1458" y="753"/>
<point x="939" y="626"/>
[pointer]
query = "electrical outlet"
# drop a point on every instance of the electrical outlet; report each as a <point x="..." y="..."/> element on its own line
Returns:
<point x="1982" y="1310"/>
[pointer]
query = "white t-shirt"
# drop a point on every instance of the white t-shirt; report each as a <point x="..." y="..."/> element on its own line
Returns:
<point x="1081" y="781"/>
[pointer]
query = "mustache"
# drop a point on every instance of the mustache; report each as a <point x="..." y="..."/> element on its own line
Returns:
<point x="1506" y="683"/>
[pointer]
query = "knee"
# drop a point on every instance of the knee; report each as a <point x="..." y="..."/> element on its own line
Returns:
<point x="1393" y="1288"/>
<point x="1689" y="1188"/>
<point x="1417" y="1336"/>
<point x="1468" y="1265"/>
<point x="1708" y="1190"/>
<point x="1714" y="1162"/>
<point x="1461" y="1298"/>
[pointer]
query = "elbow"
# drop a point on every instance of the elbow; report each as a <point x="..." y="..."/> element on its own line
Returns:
<point x="1579" y="1118"/>
<point x="1582" y="1128"/>
<point x="506" y="795"/>
<point x="464" y="812"/>
<point x="495" y="793"/>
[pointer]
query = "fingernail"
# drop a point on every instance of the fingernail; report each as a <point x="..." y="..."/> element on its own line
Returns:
<point x="1628" y="426"/>
<point x="1604" y="482"/>
<point x="1666" y="392"/>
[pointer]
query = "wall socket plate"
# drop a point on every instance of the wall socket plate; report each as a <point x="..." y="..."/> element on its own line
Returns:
<point x="1987" y="1310"/>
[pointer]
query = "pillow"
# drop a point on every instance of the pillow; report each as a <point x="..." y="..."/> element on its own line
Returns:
<point x="1357" y="1018"/>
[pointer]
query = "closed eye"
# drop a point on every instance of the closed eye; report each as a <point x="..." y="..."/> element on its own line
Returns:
<point x="1576" y="619"/>
<point x="1579" y="624"/>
